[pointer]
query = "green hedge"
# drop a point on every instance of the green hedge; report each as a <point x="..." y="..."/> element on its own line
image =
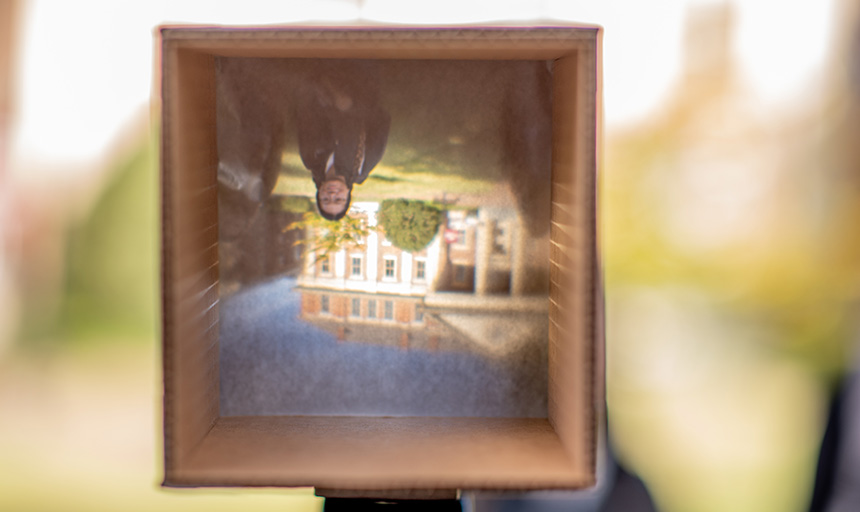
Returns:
<point x="409" y="224"/>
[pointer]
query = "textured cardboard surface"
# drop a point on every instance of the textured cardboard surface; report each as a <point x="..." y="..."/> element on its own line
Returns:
<point x="382" y="453"/>
<point x="204" y="448"/>
<point x="189" y="252"/>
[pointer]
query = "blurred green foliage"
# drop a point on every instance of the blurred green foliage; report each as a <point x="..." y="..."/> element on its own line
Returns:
<point x="111" y="283"/>
<point x="791" y="266"/>
<point x="796" y="282"/>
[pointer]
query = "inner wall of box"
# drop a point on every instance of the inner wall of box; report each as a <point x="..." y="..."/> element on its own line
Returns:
<point x="571" y="413"/>
<point x="191" y="252"/>
<point x="191" y="325"/>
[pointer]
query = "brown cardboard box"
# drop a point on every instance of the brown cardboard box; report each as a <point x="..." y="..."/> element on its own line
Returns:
<point x="358" y="454"/>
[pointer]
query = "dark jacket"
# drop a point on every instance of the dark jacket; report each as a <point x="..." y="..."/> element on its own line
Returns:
<point x="340" y="121"/>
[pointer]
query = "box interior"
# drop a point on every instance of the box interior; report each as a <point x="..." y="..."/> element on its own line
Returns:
<point x="373" y="453"/>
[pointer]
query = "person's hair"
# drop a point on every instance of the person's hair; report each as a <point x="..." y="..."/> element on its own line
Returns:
<point x="335" y="216"/>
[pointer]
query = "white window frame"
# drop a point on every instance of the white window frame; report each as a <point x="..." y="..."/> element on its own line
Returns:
<point x="360" y="258"/>
<point x="385" y="261"/>
<point x="325" y="262"/>
<point x="421" y="263"/>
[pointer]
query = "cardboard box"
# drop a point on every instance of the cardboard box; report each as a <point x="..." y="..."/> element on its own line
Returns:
<point x="376" y="455"/>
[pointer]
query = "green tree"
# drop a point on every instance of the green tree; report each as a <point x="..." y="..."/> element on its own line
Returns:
<point x="323" y="236"/>
<point x="409" y="224"/>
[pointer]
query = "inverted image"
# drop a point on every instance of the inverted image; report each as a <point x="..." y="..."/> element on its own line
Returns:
<point x="383" y="236"/>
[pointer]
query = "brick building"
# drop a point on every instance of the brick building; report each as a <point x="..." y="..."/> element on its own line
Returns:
<point x="374" y="292"/>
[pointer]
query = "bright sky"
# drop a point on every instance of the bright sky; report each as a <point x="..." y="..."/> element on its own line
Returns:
<point x="86" y="68"/>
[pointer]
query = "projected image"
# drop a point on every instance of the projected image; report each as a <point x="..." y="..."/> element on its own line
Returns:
<point x="383" y="236"/>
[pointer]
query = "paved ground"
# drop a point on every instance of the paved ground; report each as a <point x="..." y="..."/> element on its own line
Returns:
<point x="273" y="363"/>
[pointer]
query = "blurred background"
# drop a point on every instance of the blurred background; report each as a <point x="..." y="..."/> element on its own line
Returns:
<point x="730" y="204"/>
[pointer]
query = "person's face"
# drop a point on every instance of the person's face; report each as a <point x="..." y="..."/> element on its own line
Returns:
<point x="333" y="196"/>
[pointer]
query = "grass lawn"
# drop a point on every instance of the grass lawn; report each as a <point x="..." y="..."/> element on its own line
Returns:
<point x="421" y="178"/>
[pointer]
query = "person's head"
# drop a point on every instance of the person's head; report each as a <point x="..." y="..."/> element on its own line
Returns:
<point x="333" y="198"/>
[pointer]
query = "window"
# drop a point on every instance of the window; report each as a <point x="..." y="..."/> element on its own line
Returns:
<point x="390" y="268"/>
<point x="355" y="310"/>
<point x="355" y="266"/>
<point x="325" y="267"/>
<point x="371" y="309"/>
<point x="461" y="237"/>
<point x="324" y="305"/>
<point x="419" y="313"/>
<point x="459" y="274"/>
<point x="499" y="241"/>
<point x="420" y="270"/>
<point x="388" y="312"/>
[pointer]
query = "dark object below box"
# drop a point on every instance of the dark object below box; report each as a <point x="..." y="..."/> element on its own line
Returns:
<point x="351" y="505"/>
